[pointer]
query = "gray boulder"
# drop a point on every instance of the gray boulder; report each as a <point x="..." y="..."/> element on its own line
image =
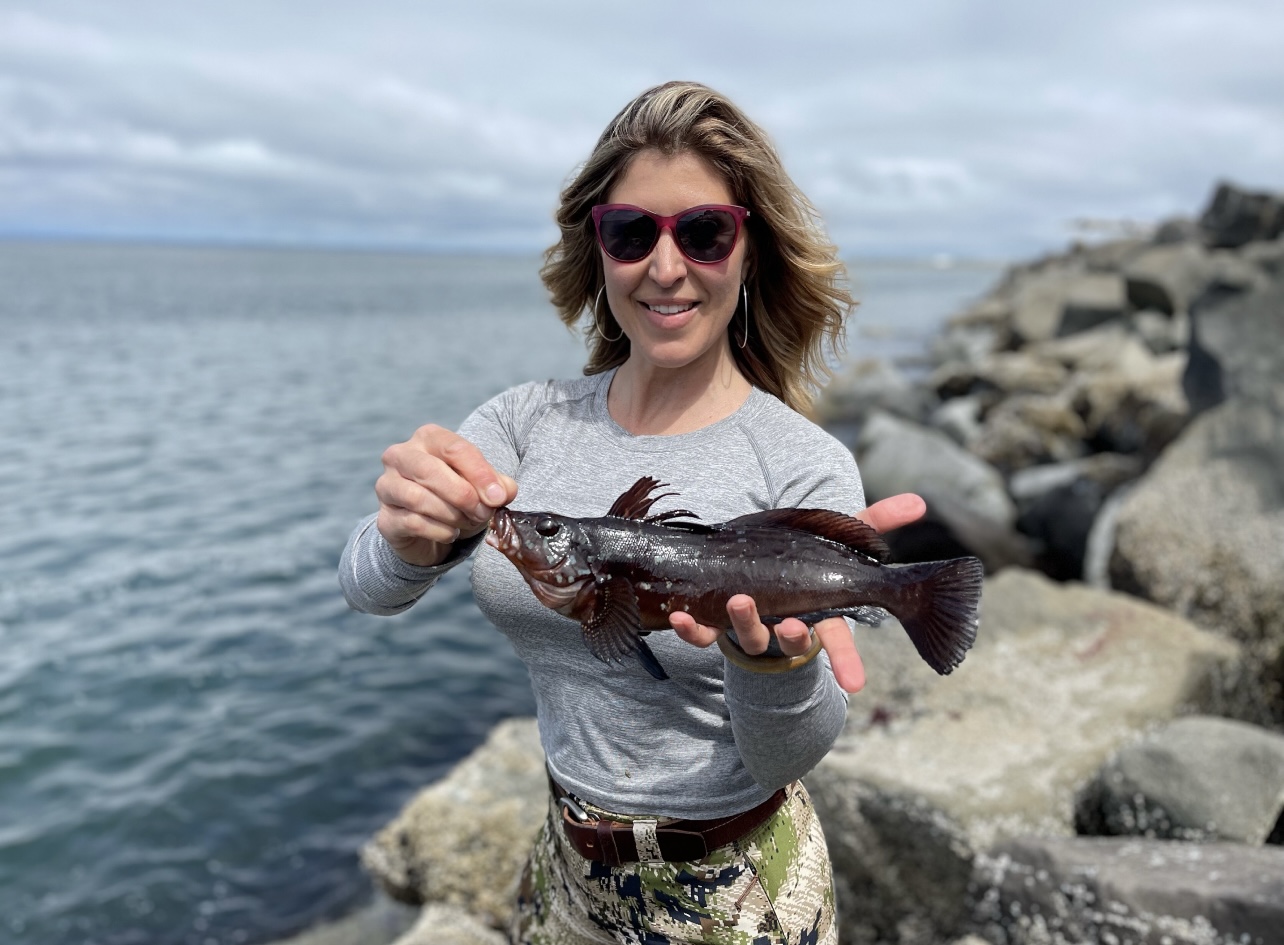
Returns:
<point x="1139" y="408"/>
<point x="959" y="418"/>
<point x="1235" y="216"/>
<point x="449" y="925"/>
<point x="1063" y="298"/>
<point x="1267" y="256"/>
<point x="1237" y="348"/>
<point x="381" y="921"/>
<point x="968" y="505"/>
<point x="1028" y="429"/>
<point x="1007" y="372"/>
<point x="869" y="385"/>
<point x="440" y="850"/>
<point x="1203" y="534"/>
<point x="1167" y="278"/>
<point x="1058" y="505"/>
<point x="1159" y="332"/>
<point x="932" y="771"/>
<point x="1072" y="891"/>
<point x="1199" y="778"/>
<point x="1170" y="279"/>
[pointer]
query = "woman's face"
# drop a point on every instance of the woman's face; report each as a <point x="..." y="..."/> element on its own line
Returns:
<point x="674" y="311"/>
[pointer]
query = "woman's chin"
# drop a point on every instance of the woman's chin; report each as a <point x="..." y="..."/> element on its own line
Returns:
<point x="676" y="353"/>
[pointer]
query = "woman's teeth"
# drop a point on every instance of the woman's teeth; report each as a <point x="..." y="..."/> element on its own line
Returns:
<point x="670" y="309"/>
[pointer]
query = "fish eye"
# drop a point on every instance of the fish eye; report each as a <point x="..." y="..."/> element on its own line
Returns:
<point x="547" y="527"/>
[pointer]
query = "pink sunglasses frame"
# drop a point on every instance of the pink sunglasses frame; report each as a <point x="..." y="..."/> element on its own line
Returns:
<point x="738" y="214"/>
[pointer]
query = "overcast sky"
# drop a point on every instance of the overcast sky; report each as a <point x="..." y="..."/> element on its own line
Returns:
<point x="917" y="127"/>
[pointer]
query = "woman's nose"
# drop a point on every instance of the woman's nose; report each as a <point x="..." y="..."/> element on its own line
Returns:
<point x="668" y="265"/>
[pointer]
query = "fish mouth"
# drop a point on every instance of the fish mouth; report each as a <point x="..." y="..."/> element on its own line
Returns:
<point x="501" y="535"/>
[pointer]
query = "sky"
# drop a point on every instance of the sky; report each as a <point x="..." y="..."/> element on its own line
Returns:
<point x="987" y="128"/>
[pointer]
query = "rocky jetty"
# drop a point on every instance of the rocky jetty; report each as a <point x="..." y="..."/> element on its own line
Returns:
<point x="1105" y="430"/>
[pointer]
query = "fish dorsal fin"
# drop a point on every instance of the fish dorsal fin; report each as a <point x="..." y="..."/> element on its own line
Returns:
<point x="823" y="523"/>
<point x="636" y="501"/>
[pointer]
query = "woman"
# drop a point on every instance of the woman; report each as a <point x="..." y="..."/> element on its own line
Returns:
<point x="676" y="814"/>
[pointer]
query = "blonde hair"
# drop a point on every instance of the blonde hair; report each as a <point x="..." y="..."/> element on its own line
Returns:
<point x="796" y="285"/>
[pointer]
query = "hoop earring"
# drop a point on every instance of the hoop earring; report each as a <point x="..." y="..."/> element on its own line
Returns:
<point x="598" y="328"/>
<point x="744" y="292"/>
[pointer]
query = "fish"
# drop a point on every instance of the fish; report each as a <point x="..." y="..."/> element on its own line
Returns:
<point x="622" y="575"/>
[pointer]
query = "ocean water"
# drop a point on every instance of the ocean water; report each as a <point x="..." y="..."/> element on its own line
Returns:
<point x="196" y="734"/>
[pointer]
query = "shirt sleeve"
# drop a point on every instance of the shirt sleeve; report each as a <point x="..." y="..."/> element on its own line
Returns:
<point x="785" y="723"/>
<point x="374" y="579"/>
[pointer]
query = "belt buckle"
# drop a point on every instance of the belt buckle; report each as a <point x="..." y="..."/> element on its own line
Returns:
<point x="568" y="804"/>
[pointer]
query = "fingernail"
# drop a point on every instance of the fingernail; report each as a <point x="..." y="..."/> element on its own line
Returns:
<point x="495" y="494"/>
<point x="482" y="512"/>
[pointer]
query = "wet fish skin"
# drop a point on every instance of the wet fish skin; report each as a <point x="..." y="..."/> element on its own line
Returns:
<point x="623" y="574"/>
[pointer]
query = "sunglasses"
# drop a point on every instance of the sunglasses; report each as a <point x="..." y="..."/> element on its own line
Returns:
<point x="705" y="234"/>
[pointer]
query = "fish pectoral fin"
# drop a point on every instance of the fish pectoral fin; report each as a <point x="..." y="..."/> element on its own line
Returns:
<point x="823" y="523"/>
<point x="636" y="501"/>
<point x="613" y="627"/>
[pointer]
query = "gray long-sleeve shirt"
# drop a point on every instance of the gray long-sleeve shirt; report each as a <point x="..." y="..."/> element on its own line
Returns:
<point x="711" y="740"/>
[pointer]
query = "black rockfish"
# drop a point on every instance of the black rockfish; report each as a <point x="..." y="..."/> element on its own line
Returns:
<point x="622" y="575"/>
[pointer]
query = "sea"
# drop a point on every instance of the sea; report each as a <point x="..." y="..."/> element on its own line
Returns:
<point x="196" y="734"/>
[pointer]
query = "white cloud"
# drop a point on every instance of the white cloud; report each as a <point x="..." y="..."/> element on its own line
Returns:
<point x="920" y="127"/>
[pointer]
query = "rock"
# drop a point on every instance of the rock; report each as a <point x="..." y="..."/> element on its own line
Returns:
<point x="959" y="418"/>
<point x="1235" y="216"/>
<point x="932" y="770"/>
<point x="1093" y="300"/>
<point x="966" y="344"/>
<point x="1008" y="372"/>
<point x="1069" y="891"/>
<point x="1177" y="230"/>
<point x="966" y="498"/>
<point x="869" y="385"/>
<point x="1063" y="299"/>
<point x="1199" y="778"/>
<point x="1168" y="278"/>
<point x="1038" y="297"/>
<point x="1138" y="408"/>
<point x="382" y="920"/>
<point x="1109" y="348"/>
<point x="439" y="850"/>
<point x="1203" y="533"/>
<point x="1058" y="504"/>
<point x="1027" y="429"/>
<point x="1237" y="348"/>
<point x="449" y="925"/>
<point x="1269" y="257"/>
<point x="1111" y="255"/>
<point x="990" y="311"/>
<point x="1161" y="333"/>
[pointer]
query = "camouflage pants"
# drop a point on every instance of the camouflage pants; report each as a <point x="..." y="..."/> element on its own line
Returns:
<point x="771" y="887"/>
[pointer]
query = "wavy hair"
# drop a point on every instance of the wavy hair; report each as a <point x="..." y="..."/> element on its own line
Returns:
<point x="796" y="285"/>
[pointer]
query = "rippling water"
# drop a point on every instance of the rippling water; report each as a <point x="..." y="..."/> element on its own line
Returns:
<point x="196" y="734"/>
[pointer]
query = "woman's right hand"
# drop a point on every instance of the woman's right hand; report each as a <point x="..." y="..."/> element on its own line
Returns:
<point x="436" y="487"/>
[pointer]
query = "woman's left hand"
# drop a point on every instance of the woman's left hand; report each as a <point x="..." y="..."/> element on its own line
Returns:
<point x="794" y="636"/>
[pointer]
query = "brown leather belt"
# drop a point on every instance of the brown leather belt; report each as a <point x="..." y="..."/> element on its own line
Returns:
<point x="615" y="843"/>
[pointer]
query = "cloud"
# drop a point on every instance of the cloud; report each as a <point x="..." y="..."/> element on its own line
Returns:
<point x="917" y="128"/>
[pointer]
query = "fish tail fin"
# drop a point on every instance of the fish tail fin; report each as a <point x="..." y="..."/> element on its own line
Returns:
<point x="937" y="606"/>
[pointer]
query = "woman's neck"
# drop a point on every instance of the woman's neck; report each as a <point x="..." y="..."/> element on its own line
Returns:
<point x="648" y="400"/>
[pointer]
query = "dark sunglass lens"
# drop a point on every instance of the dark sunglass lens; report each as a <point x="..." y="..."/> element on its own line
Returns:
<point x="626" y="234"/>
<point x="707" y="235"/>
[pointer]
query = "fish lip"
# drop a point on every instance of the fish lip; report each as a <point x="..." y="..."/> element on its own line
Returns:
<point x="501" y="527"/>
